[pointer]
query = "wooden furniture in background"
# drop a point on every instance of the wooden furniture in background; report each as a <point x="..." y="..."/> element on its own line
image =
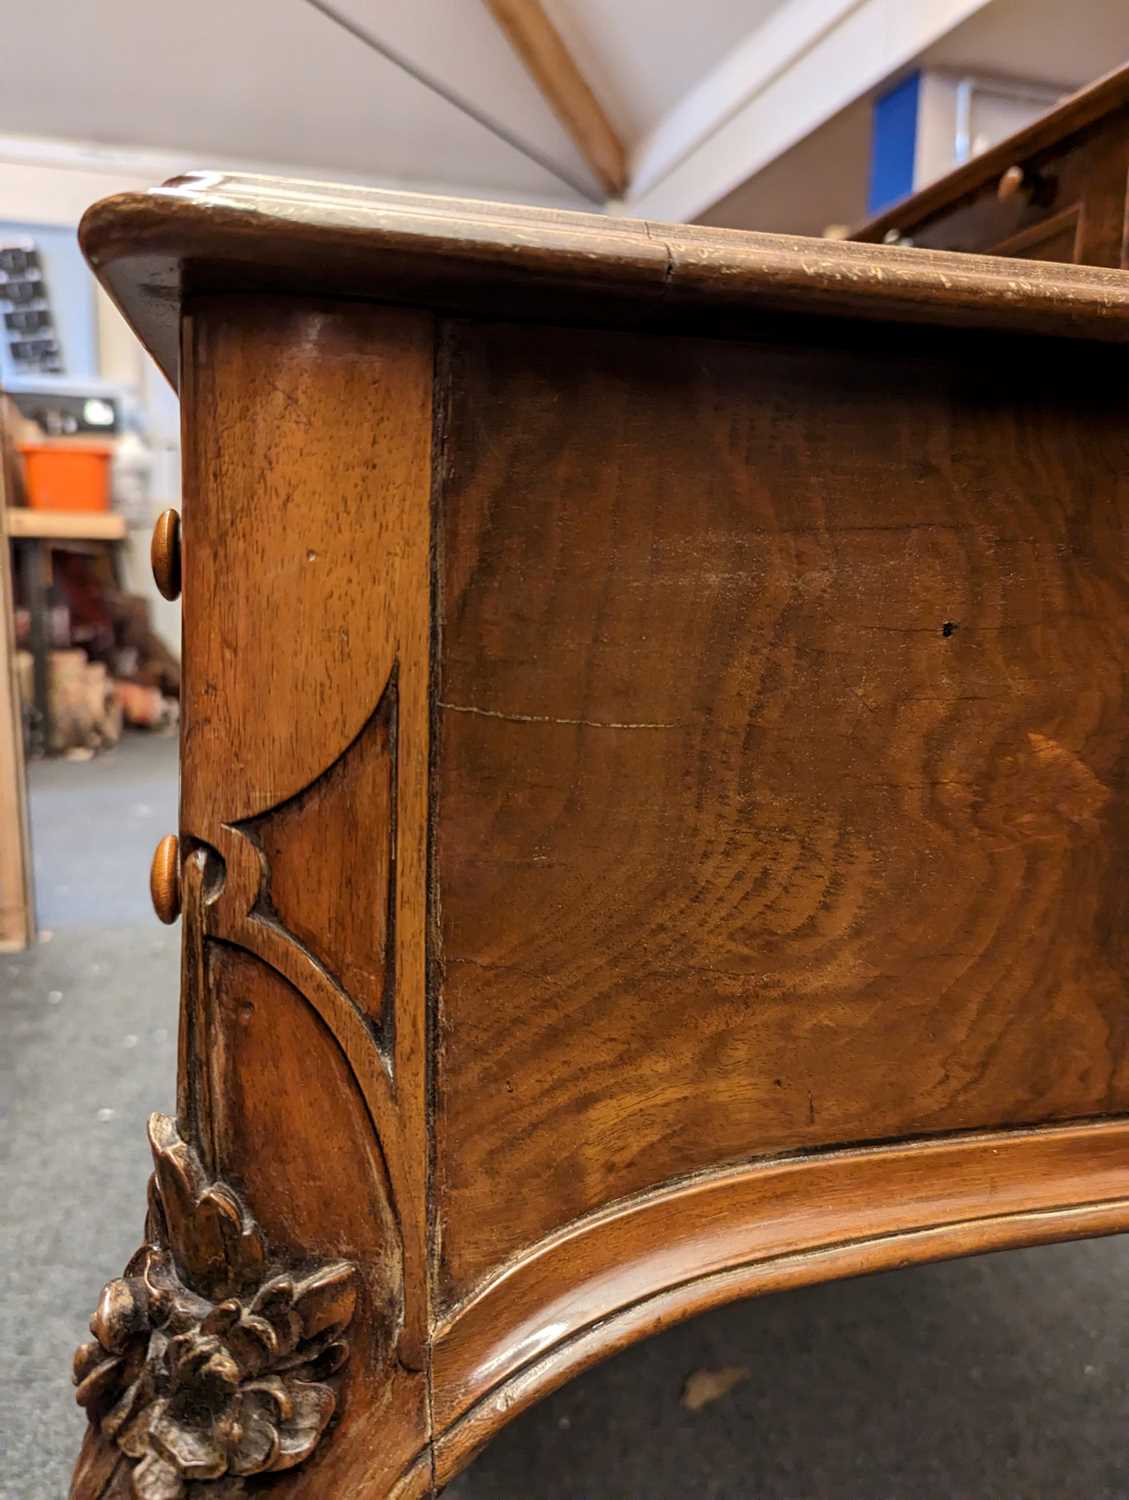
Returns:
<point x="1055" y="191"/>
<point x="36" y="533"/>
<point x="653" y="803"/>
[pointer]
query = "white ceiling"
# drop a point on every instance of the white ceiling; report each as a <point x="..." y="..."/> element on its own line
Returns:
<point x="722" y="104"/>
<point x="278" y="82"/>
<point x="1072" y="42"/>
<point x="642" y="56"/>
<point x="822" y="179"/>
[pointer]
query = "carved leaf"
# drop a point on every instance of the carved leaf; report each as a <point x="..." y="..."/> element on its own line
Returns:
<point x="180" y="1183"/>
<point x="205" y="1368"/>
<point x="327" y="1299"/>
<point x="217" y="1248"/>
<point x="99" y="1383"/>
<point x="122" y="1312"/>
<point x="154" y="1479"/>
<point x="192" y="1451"/>
<point x="257" y="1447"/>
<point x="313" y="1407"/>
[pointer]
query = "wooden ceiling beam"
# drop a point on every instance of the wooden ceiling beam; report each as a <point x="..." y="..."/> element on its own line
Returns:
<point x="538" y="43"/>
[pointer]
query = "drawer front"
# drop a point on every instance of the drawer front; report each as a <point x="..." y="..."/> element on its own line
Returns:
<point x="1068" y="206"/>
<point x="780" y="781"/>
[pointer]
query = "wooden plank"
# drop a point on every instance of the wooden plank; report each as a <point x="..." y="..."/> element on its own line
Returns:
<point x="66" y="525"/>
<point x="539" y="45"/>
<point x="17" y="904"/>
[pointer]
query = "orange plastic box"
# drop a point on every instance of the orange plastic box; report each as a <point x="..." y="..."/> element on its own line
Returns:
<point x="67" y="476"/>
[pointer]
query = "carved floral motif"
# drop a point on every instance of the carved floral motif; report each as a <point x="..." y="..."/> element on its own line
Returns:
<point x="207" y="1364"/>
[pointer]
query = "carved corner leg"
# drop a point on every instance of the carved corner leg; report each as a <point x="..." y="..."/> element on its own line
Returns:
<point x="212" y="1361"/>
<point x="290" y="1199"/>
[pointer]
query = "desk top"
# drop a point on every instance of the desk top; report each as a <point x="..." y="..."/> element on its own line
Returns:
<point x="217" y="232"/>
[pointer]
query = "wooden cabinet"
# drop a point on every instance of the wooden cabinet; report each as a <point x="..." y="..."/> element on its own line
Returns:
<point x="1055" y="191"/>
<point x="653" y="812"/>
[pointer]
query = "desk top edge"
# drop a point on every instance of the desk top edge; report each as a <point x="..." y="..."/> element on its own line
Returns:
<point x="225" y="232"/>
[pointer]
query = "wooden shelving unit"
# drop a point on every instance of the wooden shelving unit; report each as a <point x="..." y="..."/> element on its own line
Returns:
<point x="66" y="525"/>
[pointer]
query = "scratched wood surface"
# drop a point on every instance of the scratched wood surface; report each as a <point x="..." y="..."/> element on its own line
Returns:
<point x="224" y="232"/>
<point x="780" y="794"/>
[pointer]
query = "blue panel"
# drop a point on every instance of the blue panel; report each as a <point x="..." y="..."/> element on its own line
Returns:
<point x="893" y="143"/>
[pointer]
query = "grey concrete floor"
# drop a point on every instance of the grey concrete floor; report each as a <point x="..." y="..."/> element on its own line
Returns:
<point x="1003" y="1378"/>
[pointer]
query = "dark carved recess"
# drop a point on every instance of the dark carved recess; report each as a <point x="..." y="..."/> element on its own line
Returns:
<point x="328" y="856"/>
<point x="210" y="1363"/>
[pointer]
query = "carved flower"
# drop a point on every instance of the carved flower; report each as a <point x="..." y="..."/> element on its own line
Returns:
<point x="205" y="1390"/>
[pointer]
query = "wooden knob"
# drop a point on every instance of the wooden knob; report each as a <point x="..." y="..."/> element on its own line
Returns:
<point x="164" y="879"/>
<point x="1039" y="188"/>
<point x="1010" y="183"/>
<point x="164" y="553"/>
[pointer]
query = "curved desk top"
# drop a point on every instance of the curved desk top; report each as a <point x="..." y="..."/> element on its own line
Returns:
<point x="212" y="231"/>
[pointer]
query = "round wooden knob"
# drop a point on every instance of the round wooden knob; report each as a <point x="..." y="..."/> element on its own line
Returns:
<point x="164" y="553"/>
<point x="164" y="879"/>
<point x="1010" y="183"/>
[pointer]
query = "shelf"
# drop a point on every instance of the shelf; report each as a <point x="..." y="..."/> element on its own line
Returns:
<point x="66" y="525"/>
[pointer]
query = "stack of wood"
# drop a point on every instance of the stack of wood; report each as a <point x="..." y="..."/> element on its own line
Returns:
<point x="86" y="709"/>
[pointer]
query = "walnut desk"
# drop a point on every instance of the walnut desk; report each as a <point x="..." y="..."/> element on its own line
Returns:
<point x="654" y="809"/>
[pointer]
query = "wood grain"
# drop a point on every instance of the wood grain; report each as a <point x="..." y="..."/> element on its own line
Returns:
<point x="340" y="908"/>
<point x="653" y="803"/>
<point x="292" y="502"/>
<point x="306" y="552"/>
<point x="318" y="1173"/>
<point x="780" y="770"/>
<point x="306" y="544"/>
<point x="649" y="1262"/>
